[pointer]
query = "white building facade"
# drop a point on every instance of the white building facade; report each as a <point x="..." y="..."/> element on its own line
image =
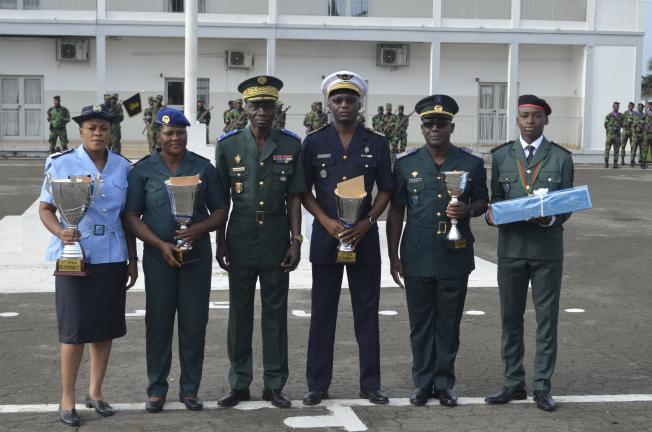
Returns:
<point x="580" y="55"/>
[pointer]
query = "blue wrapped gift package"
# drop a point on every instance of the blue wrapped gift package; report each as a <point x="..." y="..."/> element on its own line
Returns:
<point x="541" y="204"/>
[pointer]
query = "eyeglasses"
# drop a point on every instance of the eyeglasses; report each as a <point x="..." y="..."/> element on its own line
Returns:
<point x="440" y="123"/>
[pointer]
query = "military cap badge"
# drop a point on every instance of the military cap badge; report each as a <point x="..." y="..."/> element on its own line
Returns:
<point x="262" y="80"/>
<point x="345" y="77"/>
<point x="165" y="119"/>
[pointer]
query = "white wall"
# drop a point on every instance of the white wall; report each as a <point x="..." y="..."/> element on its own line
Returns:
<point x="405" y="9"/>
<point x="620" y="15"/>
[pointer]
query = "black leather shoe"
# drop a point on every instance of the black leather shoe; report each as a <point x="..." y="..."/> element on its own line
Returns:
<point x="191" y="402"/>
<point x="234" y="397"/>
<point x="419" y="396"/>
<point x="506" y="394"/>
<point x="101" y="407"/>
<point x="314" y="397"/>
<point x="277" y="398"/>
<point x="544" y="400"/>
<point x="154" y="405"/>
<point x="447" y="397"/>
<point x="375" y="396"/>
<point x="69" y="418"/>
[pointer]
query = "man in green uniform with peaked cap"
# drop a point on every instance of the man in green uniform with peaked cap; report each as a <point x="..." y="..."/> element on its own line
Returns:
<point x="263" y="175"/>
<point x="58" y="117"/>
<point x="378" y="121"/>
<point x="638" y="137"/>
<point x="436" y="270"/>
<point x="627" y="134"/>
<point x="613" y="122"/>
<point x="529" y="251"/>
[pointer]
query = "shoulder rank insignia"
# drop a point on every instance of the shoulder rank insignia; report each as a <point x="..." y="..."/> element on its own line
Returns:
<point x="56" y="155"/>
<point x="290" y="133"/>
<point x="406" y="153"/>
<point x="228" y="134"/>
<point x="473" y="153"/>
<point x="317" y="130"/>
<point x="500" y="146"/>
<point x="560" y="147"/>
<point x="376" y="132"/>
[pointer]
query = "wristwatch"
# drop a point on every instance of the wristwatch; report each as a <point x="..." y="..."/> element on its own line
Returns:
<point x="372" y="220"/>
<point x="298" y="238"/>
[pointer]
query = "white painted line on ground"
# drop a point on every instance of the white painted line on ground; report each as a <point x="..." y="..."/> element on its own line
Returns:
<point x="9" y="314"/>
<point x="136" y="313"/>
<point x="574" y="310"/>
<point x="339" y="417"/>
<point x="398" y="402"/>
<point x="387" y="312"/>
<point x="218" y="305"/>
<point x="300" y="313"/>
<point x="474" y="312"/>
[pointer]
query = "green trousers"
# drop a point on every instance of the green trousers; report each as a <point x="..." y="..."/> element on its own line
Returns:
<point x="513" y="277"/>
<point x="274" y="284"/>
<point x="183" y="292"/>
<point x="62" y="135"/>
<point x="625" y="136"/>
<point x="613" y="140"/>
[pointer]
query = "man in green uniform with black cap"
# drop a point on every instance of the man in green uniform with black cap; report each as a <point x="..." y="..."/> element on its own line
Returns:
<point x="613" y="122"/>
<point x="530" y="251"/>
<point x="116" y="131"/>
<point x="148" y="119"/>
<point x="436" y="270"/>
<point x="378" y="121"/>
<point x="58" y="116"/>
<point x="263" y="175"/>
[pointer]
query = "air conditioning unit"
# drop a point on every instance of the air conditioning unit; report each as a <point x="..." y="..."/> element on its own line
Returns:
<point x="73" y="49"/>
<point x="239" y="59"/>
<point x="392" y="55"/>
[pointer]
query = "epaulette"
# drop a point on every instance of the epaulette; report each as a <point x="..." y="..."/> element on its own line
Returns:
<point x="119" y="154"/>
<point x="471" y="152"/>
<point x="500" y="146"/>
<point x="406" y="153"/>
<point x="56" y="155"/>
<point x="563" y="148"/>
<point x="317" y="130"/>
<point x="376" y="132"/>
<point x="228" y="134"/>
<point x="290" y="133"/>
<point x="142" y="159"/>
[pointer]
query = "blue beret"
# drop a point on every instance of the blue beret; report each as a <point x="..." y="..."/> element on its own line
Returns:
<point x="171" y="117"/>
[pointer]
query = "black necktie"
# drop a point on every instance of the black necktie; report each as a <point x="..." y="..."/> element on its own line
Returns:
<point x="530" y="154"/>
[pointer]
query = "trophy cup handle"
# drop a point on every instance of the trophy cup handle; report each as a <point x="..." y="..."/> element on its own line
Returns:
<point x="48" y="182"/>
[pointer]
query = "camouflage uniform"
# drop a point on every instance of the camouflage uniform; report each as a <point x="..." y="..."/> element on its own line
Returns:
<point x="647" y="139"/>
<point x="116" y="132"/>
<point x="638" y="134"/>
<point x="225" y="116"/>
<point x="398" y="140"/>
<point x="378" y="121"/>
<point x="613" y="122"/>
<point x="147" y="119"/>
<point x="58" y="117"/>
<point x="320" y="118"/>
<point x="237" y="117"/>
<point x="309" y="118"/>
<point x="279" y="117"/>
<point x="203" y="116"/>
<point x="626" y="135"/>
<point x="153" y="128"/>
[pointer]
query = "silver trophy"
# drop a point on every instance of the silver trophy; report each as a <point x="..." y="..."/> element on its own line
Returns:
<point x="348" y="212"/>
<point x="182" y="192"/>
<point x="456" y="184"/>
<point x="72" y="196"/>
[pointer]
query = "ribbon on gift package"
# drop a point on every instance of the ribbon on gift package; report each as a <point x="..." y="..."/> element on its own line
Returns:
<point x="541" y="192"/>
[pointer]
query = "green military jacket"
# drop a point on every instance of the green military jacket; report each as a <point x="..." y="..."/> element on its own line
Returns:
<point x="378" y="122"/>
<point x="118" y="115"/>
<point x="58" y="117"/>
<point x="638" y="123"/>
<point x="613" y="122"/>
<point x="420" y="186"/>
<point x="147" y="195"/>
<point x="401" y="122"/>
<point x="648" y="122"/>
<point x="258" y="232"/>
<point x="628" y="120"/>
<point x="204" y="116"/>
<point x="551" y="168"/>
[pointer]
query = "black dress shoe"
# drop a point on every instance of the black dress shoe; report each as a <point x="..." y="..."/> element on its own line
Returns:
<point x="544" y="400"/>
<point x="506" y="394"/>
<point x="447" y="397"/>
<point x="374" y="395"/>
<point x="69" y="417"/>
<point x="277" y="398"/>
<point x="314" y="397"/>
<point x="191" y="402"/>
<point x="154" y="405"/>
<point x="419" y="396"/>
<point x="233" y="397"/>
<point x="101" y="407"/>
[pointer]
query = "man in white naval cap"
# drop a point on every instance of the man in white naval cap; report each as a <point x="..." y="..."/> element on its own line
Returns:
<point x="339" y="151"/>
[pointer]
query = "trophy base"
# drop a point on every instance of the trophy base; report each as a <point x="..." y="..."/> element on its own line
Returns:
<point x="455" y="244"/>
<point x="71" y="267"/>
<point x="344" y="257"/>
<point x="187" y="256"/>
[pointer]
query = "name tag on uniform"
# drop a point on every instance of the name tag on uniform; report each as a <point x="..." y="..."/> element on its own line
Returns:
<point x="282" y="158"/>
<point x="367" y="156"/>
<point x="239" y="169"/>
<point x="415" y="180"/>
<point x="324" y="156"/>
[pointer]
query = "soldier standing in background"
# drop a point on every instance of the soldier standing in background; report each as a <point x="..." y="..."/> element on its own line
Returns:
<point x="225" y="116"/>
<point x="203" y="116"/>
<point x="237" y="117"/>
<point x="378" y="121"/>
<point x="647" y="139"/>
<point x="320" y="118"/>
<point x="58" y="116"/>
<point x="361" y="119"/>
<point x="399" y="138"/>
<point x="308" y="119"/>
<point x="118" y="117"/>
<point x="279" y="116"/>
<point x="147" y="119"/>
<point x="628" y="120"/>
<point x="613" y="122"/>
<point x="638" y="134"/>
<point x="154" y="127"/>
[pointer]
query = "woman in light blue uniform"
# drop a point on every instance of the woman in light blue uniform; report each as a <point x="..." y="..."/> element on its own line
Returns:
<point x="91" y="309"/>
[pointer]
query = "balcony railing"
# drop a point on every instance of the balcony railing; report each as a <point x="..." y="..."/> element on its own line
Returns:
<point x="48" y="4"/>
<point x="253" y="7"/>
<point x="554" y="10"/>
<point x="477" y="9"/>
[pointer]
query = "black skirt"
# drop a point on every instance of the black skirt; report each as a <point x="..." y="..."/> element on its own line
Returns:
<point x="92" y="308"/>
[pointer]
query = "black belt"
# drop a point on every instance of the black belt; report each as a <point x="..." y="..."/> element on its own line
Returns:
<point x="261" y="216"/>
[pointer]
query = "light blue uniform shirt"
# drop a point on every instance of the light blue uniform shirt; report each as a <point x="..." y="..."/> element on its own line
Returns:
<point x="102" y="235"/>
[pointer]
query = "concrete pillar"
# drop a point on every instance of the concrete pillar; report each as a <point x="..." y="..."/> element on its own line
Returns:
<point x="100" y="63"/>
<point x="587" y="106"/>
<point x="512" y="91"/>
<point x="271" y="55"/>
<point x="435" y="67"/>
<point x="190" y="78"/>
<point x="436" y="13"/>
<point x="101" y="9"/>
<point x="516" y="13"/>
